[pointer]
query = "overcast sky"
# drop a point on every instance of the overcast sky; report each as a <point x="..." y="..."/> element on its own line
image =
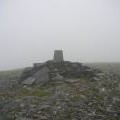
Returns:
<point x="30" y="30"/>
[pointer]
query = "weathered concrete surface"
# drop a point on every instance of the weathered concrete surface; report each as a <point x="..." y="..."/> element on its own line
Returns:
<point x="58" y="55"/>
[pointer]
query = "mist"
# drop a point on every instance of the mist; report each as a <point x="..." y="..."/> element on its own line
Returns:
<point x="86" y="31"/>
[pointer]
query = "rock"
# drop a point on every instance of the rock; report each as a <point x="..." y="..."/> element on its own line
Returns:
<point x="29" y="81"/>
<point x="38" y="65"/>
<point x="5" y="85"/>
<point x="100" y="74"/>
<point x="58" y="78"/>
<point x="72" y="80"/>
<point x="96" y="79"/>
<point x="23" y="118"/>
<point x="102" y="90"/>
<point x="28" y="72"/>
<point x="42" y="75"/>
<point x="116" y="99"/>
<point x="44" y="107"/>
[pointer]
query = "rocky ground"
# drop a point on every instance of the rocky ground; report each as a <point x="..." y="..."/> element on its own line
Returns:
<point x="86" y="98"/>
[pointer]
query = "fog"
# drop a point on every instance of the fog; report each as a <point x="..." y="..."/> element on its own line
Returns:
<point x="86" y="30"/>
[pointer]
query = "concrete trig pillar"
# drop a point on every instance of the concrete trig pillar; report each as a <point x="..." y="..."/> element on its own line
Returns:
<point x="58" y="56"/>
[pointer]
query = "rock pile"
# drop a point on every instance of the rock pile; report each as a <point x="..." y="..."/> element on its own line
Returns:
<point x="56" y="70"/>
<point x="40" y="73"/>
<point x="84" y="99"/>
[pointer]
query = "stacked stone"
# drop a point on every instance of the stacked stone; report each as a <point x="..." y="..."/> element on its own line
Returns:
<point x="55" y="69"/>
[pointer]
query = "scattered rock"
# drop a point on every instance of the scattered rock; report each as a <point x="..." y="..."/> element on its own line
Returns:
<point x="84" y="93"/>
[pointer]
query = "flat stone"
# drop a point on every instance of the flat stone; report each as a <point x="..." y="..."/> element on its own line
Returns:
<point x="22" y="118"/>
<point x="72" y="80"/>
<point x="29" y="81"/>
<point x="36" y="65"/>
<point x="95" y="78"/>
<point x="42" y="75"/>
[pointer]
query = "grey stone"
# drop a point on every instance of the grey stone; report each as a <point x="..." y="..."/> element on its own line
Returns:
<point x="23" y="118"/>
<point x="44" y="107"/>
<point x="116" y="99"/>
<point x="29" y="81"/>
<point x="42" y="75"/>
<point x="95" y="78"/>
<point x="58" y="55"/>
<point x="100" y="74"/>
<point x="58" y="78"/>
<point x="38" y="65"/>
<point x="27" y="73"/>
<point x="72" y="80"/>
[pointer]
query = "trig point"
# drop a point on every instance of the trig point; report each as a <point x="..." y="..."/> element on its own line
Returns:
<point x="58" y="56"/>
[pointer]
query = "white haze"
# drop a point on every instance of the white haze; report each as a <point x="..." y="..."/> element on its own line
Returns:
<point x="86" y="30"/>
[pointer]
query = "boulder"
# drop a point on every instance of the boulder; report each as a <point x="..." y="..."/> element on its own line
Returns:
<point x="42" y="75"/>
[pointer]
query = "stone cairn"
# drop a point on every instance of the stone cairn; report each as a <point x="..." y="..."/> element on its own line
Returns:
<point x="54" y="70"/>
